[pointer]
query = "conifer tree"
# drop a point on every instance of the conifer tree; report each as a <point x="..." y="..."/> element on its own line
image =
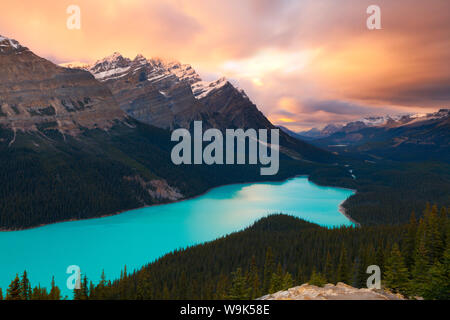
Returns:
<point x="166" y="294"/>
<point x="269" y="269"/>
<point x="329" y="269"/>
<point x="410" y="242"/>
<point x="85" y="288"/>
<point x="39" y="293"/>
<point x="380" y="257"/>
<point x="14" y="291"/>
<point x="355" y="274"/>
<point x="100" y="289"/>
<point x="287" y="282"/>
<point x="396" y="275"/>
<point x="301" y="277"/>
<point x="183" y="287"/>
<point x="253" y="279"/>
<point x="91" y="291"/>
<point x="276" y="281"/>
<point x="433" y="235"/>
<point x="239" y="288"/>
<point x="55" y="292"/>
<point x="419" y="274"/>
<point x="144" y="287"/>
<point x="367" y="258"/>
<point x="369" y="254"/>
<point x="221" y="288"/>
<point x="83" y="292"/>
<point x="343" y="272"/>
<point x="25" y="287"/>
<point x="317" y="279"/>
<point x="438" y="286"/>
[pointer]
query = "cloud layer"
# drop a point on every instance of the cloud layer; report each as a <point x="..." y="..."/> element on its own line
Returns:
<point x="304" y="62"/>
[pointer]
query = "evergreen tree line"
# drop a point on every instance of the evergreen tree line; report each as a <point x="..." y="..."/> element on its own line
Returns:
<point x="20" y="289"/>
<point x="279" y="252"/>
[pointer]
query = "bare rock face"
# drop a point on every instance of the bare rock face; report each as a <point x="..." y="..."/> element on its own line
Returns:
<point x="36" y="94"/>
<point x="158" y="189"/>
<point x="231" y="108"/>
<point x="340" y="291"/>
<point x="168" y="94"/>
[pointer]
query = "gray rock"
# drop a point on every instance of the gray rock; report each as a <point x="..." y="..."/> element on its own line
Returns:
<point x="340" y="291"/>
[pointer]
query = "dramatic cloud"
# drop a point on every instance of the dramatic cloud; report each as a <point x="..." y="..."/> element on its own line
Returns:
<point x="304" y="62"/>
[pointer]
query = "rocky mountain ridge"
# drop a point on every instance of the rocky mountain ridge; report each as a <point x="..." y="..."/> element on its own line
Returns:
<point x="410" y="138"/>
<point x="36" y="94"/>
<point x="168" y="94"/>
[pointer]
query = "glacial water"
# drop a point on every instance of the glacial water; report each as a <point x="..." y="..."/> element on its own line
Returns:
<point x="137" y="237"/>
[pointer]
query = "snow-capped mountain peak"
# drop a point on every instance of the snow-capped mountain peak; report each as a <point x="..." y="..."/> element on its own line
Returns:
<point x="7" y="44"/>
<point x="162" y="73"/>
<point x="140" y="59"/>
<point x="110" y="63"/>
<point x="375" y="121"/>
<point x="386" y="121"/>
<point x="203" y="88"/>
<point x="154" y="70"/>
<point x="402" y="119"/>
<point x="112" y="58"/>
<point x="184" y="72"/>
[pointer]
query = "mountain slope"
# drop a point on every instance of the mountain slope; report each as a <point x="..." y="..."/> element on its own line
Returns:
<point x="35" y="93"/>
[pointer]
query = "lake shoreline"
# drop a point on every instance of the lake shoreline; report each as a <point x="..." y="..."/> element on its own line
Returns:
<point x="341" y="209"/>
<point x="344" y="212"/>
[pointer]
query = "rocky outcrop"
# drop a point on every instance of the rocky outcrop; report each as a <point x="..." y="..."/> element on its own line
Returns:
<point x="340" y="291"/>
<point x="36" y="94"/>
<point x="158" y="189"/>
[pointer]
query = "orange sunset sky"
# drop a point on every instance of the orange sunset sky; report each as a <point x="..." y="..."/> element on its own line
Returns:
<point x="303" y="62"/>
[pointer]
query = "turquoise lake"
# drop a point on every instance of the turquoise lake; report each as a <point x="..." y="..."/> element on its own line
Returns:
<point x="140" y="236"/>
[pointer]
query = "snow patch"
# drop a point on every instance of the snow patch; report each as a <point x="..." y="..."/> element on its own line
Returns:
<point x="7" y="42"/>
<point x="203" y="88"/>
<point x="111" y="72"/>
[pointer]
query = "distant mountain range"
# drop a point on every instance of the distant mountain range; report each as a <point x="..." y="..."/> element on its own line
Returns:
<point x="373" y="121"/>
<point x="405" y="138"/>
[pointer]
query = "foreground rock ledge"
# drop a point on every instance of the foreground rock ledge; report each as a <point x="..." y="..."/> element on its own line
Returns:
<point x="341" y="291"/>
